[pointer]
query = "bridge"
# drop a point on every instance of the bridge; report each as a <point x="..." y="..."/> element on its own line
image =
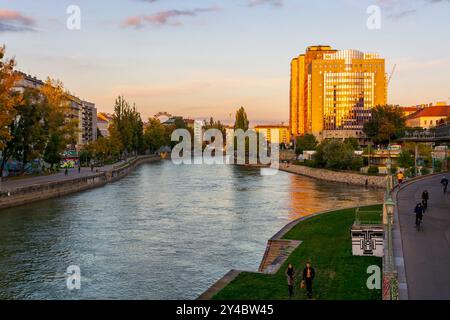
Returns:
<point x="438" y="134"/>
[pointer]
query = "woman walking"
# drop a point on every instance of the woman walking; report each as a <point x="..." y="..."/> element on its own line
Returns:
<point x="290" y="274"/>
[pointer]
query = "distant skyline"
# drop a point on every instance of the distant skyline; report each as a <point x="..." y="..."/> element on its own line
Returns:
<point x="207" y="58"/>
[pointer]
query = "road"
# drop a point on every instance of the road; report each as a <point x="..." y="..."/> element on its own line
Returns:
<point x="426" y="253"/>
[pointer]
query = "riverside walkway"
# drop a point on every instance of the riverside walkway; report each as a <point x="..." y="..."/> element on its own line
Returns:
<point x="12" y="184"/>
<point x="426" y="253"/>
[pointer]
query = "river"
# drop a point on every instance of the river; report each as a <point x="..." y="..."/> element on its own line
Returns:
<point x="162" y="232"/>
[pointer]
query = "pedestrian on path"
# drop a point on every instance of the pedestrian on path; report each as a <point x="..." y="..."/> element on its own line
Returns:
<point x="308" y="276"/>
<point x="425" y="197"/>
<point x="290" y="274"/>
<point x="92" y="167"/>
<point x="79" y="168"/>
<point x="400" y="177"/>
<point x="444" y="183"/>
<point x="66" y="172"/>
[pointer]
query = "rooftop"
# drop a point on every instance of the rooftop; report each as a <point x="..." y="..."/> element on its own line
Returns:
<point x="436" y="111"/>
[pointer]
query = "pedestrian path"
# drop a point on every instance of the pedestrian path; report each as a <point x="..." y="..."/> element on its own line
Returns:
<point x="12" y="184"/>
<point x="426" y="253"/>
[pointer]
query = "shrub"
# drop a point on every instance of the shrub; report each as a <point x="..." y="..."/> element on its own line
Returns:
<point x="424" y="171"/>
<point x="394" y="170"/>
<point x="373" y="170"/>
<point x="356" y="164"/>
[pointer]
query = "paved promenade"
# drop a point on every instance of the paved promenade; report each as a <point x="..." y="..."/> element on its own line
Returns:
<point x="12" y="184"/>
<point x="426" y="253"/>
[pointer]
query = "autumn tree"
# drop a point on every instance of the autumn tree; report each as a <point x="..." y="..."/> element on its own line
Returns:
<point x="155" y="135"/>
<point x="8" y="97"/>
<point x="61" y="129"/>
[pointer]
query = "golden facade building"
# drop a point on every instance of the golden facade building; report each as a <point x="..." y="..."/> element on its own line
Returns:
<point x="332" y="92"/>
<point x="269" y="130"/>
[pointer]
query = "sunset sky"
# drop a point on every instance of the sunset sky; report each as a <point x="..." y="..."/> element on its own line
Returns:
<point x="208" y="57"/>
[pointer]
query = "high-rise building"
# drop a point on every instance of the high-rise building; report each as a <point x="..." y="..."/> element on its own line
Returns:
<point x="333" y="92"/>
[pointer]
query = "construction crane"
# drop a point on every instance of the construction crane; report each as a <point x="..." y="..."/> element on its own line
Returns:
<point x="392" y="74"/>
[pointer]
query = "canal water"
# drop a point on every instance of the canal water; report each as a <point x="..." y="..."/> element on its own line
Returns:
<point x="163" y="232"/>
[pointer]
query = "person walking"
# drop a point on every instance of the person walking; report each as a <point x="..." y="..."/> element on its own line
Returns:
<point x="308" y="276"/>
<point x="425" y="197"/>
<point x="290" y="275"/>
<point x="66" y="172"/>
<point x="79" y="168"/>
<point x="444" y="183"/>
<point x="400" y="177"/>
<point x="419" y="214"/>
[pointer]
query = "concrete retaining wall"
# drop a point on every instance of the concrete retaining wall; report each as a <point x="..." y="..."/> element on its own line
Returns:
<point x="21" y="196"/>
<point x="336" y="176"/>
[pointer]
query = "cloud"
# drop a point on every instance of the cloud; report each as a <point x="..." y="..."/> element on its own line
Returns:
<point x="14" y="21"/>
<point x="165" y="17"/>
<point x="254" y="3"/>
<point x="397" y="9"/>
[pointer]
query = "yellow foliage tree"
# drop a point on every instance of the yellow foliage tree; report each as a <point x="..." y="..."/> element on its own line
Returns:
<point x="8" y="98"/>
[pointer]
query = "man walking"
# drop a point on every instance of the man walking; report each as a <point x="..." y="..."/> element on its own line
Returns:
<point x="308" y="276"/>
<point x="444" y="183"/>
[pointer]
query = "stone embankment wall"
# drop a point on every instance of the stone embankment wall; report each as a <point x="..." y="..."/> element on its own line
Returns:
<point x="336" y="176"/>
<point x="24" y="195"/>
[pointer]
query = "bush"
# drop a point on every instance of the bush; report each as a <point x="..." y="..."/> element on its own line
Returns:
<point x="356" y="164"/>
<point x="334" y="154"/>
<point x="437" y="167"/>
<point x="424" y="171"/>
<point x="373" y="170"/>
<point x="394" y="170"/>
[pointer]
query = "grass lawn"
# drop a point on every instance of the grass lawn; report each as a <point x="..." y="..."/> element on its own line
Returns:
<point x="327" y="244"/>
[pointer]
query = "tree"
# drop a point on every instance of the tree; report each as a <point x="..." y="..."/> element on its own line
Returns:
<point x="386" y="124"/>
<point x="241" y="120"/>
<point x="28" y="135"/>
<point x="8" y="97"/>
<point x="305" y="143"/>
<point x="336" y="155"/>
<point x="406" y="159"/>
<point x="61" y="131"/>
<point x="128" y="125"/>
<point x="353" y="142"/>
<point x="154" y="135"/>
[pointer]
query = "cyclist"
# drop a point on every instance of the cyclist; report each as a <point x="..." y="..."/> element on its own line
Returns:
<point x="400" y="177"/>
<point x="444" y="183"/>
<point x="425" y="197"/>
<point x="419" y="214"/>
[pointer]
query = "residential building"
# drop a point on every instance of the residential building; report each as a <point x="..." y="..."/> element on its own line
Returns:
<point x="103" y="122"/>
<point x="333" y="92"/>
<point x="83" y="112"/>
<point x="88" y="122"/>
<point x="428" y="117"/>
<point x="269" y="130"/>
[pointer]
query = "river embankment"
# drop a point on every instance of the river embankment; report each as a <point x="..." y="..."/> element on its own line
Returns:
<point x="20" y="195"/>
<point x="336" y="176"/>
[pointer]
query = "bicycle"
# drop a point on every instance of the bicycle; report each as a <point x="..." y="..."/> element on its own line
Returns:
<point x="418" y="224"/>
